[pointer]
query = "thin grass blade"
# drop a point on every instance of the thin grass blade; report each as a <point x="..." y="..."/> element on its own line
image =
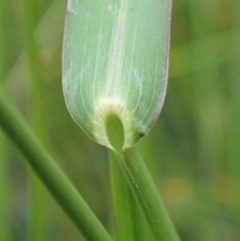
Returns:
<point x="38" y="198"/>
<point x="53" y="178"/>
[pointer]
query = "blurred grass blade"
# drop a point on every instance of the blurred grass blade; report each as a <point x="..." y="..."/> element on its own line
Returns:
<point x="115" y="60"/>
<point x="5" y="203"/>
<point x="52" y="177"/>
<point x="123" y="200"/>
<point x="208" y="105"/>
<point x="234" y="127"/>
<point x="38" y="212"/>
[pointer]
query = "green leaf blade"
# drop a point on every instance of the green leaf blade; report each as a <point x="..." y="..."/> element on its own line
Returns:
<point x="116" y="61"/>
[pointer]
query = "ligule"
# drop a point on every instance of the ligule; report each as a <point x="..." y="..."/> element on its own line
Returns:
<point x="104" y="112"/>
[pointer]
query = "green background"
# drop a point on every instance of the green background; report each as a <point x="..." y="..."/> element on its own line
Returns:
<point x="193" y="150"/>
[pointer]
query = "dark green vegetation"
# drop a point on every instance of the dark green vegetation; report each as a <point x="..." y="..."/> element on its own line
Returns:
<point x="192" y="152"/>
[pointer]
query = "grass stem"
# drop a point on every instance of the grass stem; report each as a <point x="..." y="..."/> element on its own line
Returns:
<point x="122" y="201"/>
<point x="53" y="178"/>
<point x="4" y="181"/>
<point x="36" y="227"/>
<point x="144" y="188"/>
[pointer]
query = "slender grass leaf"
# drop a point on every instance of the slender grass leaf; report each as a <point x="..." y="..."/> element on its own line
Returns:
<point x="50" y="174"/>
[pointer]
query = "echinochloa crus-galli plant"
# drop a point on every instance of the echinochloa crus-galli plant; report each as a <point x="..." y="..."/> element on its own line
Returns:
<point x="115" y="69"/>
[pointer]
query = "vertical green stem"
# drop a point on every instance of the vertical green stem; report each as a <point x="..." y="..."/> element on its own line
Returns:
<point x="142" y="187"/>
<point x="122" y="197"/>
<point x="142" y="228"/>
<point x="4" y="189"/>
<point x="130" y="220"/>
<point x="38" y="197"/>
<point x="122" y="202"/>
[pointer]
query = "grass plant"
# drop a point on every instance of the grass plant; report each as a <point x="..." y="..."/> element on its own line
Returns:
<point x="191" y="151"/>
<point x="38" y="213"/>
<point x="209" y="159"/>
<point x="115" y="96"/>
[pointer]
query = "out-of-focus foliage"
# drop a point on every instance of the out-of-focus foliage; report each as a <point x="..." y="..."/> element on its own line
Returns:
<point x="192" y="151"/>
